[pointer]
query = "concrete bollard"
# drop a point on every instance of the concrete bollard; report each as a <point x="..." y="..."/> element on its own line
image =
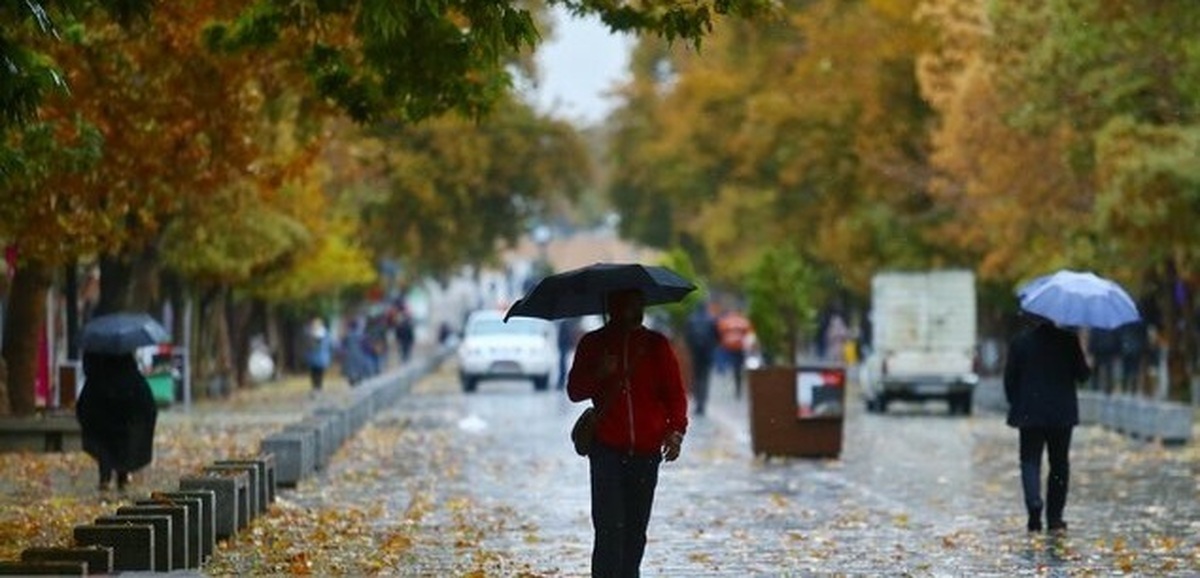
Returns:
<point x="339" y="423"/>
<point x="252" y="489"/>
<point x="132" y="545"/>
<point x="44" y="568"/>
<point x="1089" y="407"/>
<point x="99" y="559"/>
<point x="294" y="454"/>
<point x="206" y="520"/>
<point x="1169" y="422"/>
<point x="322" y="437"/>
<point x="227" y="491"/>
<point x="162" y="535"/>
<point x="194" y="523"/>
<point x="181" y="537"/>
<point x="264" y="466"/>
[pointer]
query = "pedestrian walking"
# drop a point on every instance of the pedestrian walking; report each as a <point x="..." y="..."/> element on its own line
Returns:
<point x="1103" y="345"/>
<point x="356" y="352"/>
<point x="568" y="337"/>
<point x="1045" y="366"/>
<point x="117" y="416"/>
<point x="319" y="353"/>
<point x="631" y="375"/>
<point x="702" y="339"/>
<point x="405" y="334"/>
<point x="733" y="327"/>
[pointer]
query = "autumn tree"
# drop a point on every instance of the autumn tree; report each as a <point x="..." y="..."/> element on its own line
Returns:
<point x="807" y="127"/>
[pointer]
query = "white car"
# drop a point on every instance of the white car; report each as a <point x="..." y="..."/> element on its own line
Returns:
<point x="521" y="348"/>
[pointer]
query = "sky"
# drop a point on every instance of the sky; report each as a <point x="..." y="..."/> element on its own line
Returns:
<point x="578" y="65"/>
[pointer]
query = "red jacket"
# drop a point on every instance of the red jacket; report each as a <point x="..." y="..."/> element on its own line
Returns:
<point x="635" y="418"/>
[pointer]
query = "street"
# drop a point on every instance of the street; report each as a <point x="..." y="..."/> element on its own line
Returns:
<point x="447" y="484"/>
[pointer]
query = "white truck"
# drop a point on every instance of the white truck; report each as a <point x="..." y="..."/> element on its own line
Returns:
<point x="923" y="343"/>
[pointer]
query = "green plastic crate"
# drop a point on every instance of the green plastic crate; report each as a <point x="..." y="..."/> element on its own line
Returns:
<point x="162" y="386"/>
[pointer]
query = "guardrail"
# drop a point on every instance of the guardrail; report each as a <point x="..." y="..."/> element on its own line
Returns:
<point x="1169" y="422"/>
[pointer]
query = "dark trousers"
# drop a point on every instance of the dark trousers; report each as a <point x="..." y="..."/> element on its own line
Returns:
<point x="316" y="376"/>
<point x="1056" y="442"/>
<point x="622" y="497"/>
<point x="701" y="369"/>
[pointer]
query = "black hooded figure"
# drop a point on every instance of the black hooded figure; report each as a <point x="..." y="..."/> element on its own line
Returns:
<point x="117" y="415"/>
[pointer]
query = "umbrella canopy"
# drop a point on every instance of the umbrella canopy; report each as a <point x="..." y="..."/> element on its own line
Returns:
<point x="581" y="291"/>
<point x="1079" y="299"/>
<point x="121" y="333"/>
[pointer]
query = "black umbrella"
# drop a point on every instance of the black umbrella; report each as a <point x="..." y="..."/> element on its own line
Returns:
<point x="121" y="333"/>
<point x="581" y="291"/>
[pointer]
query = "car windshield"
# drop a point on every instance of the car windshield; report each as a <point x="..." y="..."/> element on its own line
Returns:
<point x="511" y="327"/>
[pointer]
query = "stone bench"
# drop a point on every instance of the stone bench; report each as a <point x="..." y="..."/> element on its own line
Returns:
<point x="40" y="433"/>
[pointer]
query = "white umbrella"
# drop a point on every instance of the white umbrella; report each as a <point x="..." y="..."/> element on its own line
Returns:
<point x="1079" y="299"/>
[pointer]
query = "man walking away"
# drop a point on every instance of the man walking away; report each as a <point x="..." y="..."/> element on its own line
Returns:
<point x="702" y="340"/>
<point x="1045" y="365"/>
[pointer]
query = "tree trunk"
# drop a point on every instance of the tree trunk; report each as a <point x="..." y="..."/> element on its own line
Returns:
<point x="215" y="368"/>
<point x="26" y="314"/>
<point x="115" y="276"/>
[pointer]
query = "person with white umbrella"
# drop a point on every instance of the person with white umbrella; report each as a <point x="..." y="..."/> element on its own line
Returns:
<point x="1045" y="366"/>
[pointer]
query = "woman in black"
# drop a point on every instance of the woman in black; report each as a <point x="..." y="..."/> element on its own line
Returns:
<point x="1045" y="365"/>
<point x="117" y="415"/>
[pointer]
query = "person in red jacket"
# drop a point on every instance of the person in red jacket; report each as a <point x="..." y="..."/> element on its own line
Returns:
<point x="632" y="376"/>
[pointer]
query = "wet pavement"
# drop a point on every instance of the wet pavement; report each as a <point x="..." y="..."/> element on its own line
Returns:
<point x="449" y="484"/>
<point x="487" y="484"/>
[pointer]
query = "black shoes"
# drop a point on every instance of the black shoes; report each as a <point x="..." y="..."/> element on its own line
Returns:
<point x="1057" y="526"/>
<point x="1035" y="522"/>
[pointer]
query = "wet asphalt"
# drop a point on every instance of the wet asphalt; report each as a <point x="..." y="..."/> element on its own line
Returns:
<point x="488" y="482"/>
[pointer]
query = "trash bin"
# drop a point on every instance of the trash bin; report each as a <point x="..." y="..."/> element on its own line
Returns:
<point x="162" y="386"/>
<point x="797" y="411"/>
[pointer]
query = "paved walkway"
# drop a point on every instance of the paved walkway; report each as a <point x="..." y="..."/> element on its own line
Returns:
<point x="447" y="484"/>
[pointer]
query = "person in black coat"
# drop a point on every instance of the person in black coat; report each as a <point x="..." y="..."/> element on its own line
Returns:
<point x="117" y="415"/>
<point x="1045" y="365"/>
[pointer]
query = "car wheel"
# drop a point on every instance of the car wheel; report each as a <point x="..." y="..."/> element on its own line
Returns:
<point x="960" y="404"/>
<point x="541" y="383"/>
<point x="469" y="383"/>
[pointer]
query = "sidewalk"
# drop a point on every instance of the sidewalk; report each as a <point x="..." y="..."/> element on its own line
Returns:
<point x="44" y="496"/>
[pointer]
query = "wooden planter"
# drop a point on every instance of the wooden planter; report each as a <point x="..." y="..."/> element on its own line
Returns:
<point x="776" y="427"/>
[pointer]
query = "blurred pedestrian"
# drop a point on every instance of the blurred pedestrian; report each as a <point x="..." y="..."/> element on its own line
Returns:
<point x="733" y="327"/>
<point x="1103" y="345"/>
<point x="405" y="334"/>
<point x="568" y="337"/>
<point x="1045" y="366"/>
<point x="356" y="353"/>
<point x="702" y="339"/>
<point x="319" y="353"/>
<point x="117" y="415"/>
<point x="1134" y="344"/>
<point x="632" y="377"/>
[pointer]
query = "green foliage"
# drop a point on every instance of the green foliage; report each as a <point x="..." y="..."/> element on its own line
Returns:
<point x="783" y="290"/>
<point x="27" y="75"/>
<point x="680" y="262"/>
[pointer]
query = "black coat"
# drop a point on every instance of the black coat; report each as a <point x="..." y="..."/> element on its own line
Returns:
<point x="1045" y="365"/>
<point x="116" y="411"/>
